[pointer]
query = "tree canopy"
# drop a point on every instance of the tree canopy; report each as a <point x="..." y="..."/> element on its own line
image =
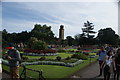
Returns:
<point x="88" y="29"/>
<point x="43" y="33"/>
<point x="107" y="36"/>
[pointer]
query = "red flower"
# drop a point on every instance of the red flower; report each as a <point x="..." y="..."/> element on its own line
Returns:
<point x="8" y="48"/>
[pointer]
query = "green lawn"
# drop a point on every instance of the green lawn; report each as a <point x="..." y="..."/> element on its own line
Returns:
<point x="52" y="71"/>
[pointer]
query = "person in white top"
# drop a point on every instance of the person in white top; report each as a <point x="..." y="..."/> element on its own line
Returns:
<point x="108" y="61"/>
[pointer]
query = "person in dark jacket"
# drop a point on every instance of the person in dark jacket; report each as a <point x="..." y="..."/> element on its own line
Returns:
<point x="117" y="62"/>
<point x="13" y="57"/>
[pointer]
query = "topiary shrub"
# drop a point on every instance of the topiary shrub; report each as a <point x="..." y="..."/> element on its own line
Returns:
<point x="79" y="56"/>
<point x="68" y="58"/>
<point x="58" y="58"/>
<point x="25" y="58"/>
<point x="61" y="50"/>
<point x="42" y="58"/>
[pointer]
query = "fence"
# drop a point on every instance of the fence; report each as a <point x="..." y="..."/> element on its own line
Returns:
<point x="25" y="76"/>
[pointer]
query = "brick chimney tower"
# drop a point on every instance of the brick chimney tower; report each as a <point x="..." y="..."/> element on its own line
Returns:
<point x="61" y="32"/>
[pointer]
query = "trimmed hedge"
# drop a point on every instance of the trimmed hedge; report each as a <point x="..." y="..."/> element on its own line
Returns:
<point x="42" y="54"/>
<point x="47" y="63"/>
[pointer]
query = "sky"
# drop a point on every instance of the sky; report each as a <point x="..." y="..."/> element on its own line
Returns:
<point x="21" y="16"/>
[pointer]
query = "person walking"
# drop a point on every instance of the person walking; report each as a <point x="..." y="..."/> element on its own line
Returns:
<point x="117" y="62"/>
<point x="108" y="61"/>
<point x="102" y="54"/>
<point x="13" y="57"/>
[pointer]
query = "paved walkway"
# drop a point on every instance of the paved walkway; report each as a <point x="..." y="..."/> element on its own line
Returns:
<point x="4" y="75"/>
<point x="90" y="72"/>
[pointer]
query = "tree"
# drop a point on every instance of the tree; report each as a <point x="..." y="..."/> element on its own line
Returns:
<point x="22" y="37"/>
<point x="36" y="44"/>
<point x="88" y="30"/>
<point x="70" y="40"/>
<point x="86" y="38"/>
<point x="6" y="37"/>
<point x="43" y="33"/>
<point x="80" y="39"/>
<point x="107" y="36"/>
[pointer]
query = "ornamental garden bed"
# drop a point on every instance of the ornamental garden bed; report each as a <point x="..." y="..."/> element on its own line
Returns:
<point x="53" y="71"/>
<point x="68" y="62"/>
<point x="40" y="51"/>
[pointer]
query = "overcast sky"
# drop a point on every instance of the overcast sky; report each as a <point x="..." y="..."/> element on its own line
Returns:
<point x="21" y="16"/>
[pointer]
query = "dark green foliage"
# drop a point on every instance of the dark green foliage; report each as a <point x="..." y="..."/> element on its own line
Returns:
<point x="70" y="40"/>
<point x="36" y="44"/>
<point x="61" y="50"/>
<point x="88" y="29"/>
<point x="42" y="58"/>
<point x="24" y="58"/>
<point x="79" y="56"/>
<point x="40" y="32"/>
<point x="107" y="36"/>
<point x="68" y="58"/>
<point x="39" y="45"/>
<point x="58" y="58"/>
<point x="86" y="38"/>
<point x="43" y="33"/>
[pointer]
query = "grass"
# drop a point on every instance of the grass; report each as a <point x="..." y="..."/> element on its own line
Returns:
<point x="52" y="71"/>
<point x="71" y="50"/>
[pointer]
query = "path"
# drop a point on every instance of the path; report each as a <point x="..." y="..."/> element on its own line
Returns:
<point x="90" y="72"/>
<point x="5" y="76"/>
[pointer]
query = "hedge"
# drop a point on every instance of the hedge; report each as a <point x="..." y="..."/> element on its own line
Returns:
<point x="47" y="63"/>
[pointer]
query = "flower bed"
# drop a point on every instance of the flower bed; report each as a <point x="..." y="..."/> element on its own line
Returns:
<point x="39" y="51"/>
<point x="42" y="54"/>
<point x="92" y="55"/>
<point x="47" y="63"/>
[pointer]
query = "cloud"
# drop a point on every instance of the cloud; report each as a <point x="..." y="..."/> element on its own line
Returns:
<point x="23" y="15"/>
<point x="60" y="0"/>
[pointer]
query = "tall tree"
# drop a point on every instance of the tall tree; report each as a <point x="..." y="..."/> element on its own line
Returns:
<point x="70" y="40"/>
<point x="88" y="29"/>
<point x="107" y="36"/>
<point x="43" y="33"/>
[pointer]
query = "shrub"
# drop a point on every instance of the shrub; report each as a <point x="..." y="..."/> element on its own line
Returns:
<point x="61" y="50"/>
<point x="79" y="56"/>
<point x="58" y="58"/>
<point x="25" y="58"/>
<point x="92" y="54"/>
<point x="39" y="45"/>
<point x="36" y="44"/>
<point x="68" y="58"/>
<point x="42" y="58"/>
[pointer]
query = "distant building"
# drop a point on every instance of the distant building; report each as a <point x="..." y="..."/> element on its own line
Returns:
<point x="61" y="32"/>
